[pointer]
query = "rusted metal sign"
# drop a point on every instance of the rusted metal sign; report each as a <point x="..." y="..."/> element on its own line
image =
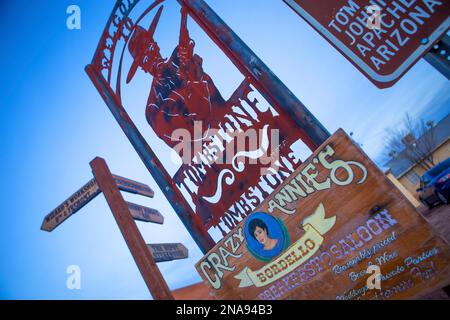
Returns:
<point x="135" y="187"/>
<point x="145" y="214"/>
<point x="163" y="252"/>
<point x="383" y="39"/>
<point x="76" y="201"/>
<point x="335" y="229"/>
<point x="225" y="144"/>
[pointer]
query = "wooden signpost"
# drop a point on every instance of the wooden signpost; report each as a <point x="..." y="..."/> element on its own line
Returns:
<point x="131" y="186"/>
<point x="316" y="236"/>
<point x="90" y="190"/>
<point x="383" y="39"/>
<point x="145" y="214"/>
<point x="168" y="251"/>
<point x="74" y="203"/>
<point x="145" y="255"/>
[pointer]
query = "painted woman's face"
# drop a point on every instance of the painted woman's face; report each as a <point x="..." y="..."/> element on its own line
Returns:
<point x="260" y="235"/>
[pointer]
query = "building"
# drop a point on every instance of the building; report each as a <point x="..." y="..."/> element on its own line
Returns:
<point x="408" y="172"/>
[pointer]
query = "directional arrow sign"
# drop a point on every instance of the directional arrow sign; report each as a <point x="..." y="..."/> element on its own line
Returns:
<point x="145" y="214"/>
<point x="77" y="201"/>
<point x="132" y="186"/>
<point x="168" y="251"/>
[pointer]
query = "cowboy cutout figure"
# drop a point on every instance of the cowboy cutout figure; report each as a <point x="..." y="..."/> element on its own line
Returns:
<point x="181" y="91"/>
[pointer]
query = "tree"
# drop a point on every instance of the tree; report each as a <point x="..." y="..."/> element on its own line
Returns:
<point x="414" y="141"/>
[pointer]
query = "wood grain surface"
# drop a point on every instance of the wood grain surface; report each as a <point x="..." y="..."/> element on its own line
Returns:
<point x="338" y="214"/>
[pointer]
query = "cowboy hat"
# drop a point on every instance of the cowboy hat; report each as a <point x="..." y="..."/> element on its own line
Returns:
<point x="139" y="40"/>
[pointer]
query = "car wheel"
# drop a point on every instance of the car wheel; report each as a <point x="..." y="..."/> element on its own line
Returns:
<point x="441" y="197"/>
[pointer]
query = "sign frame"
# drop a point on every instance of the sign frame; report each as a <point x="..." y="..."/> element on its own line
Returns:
<point x="125" y="213"/>
<point x="271" y="88"/>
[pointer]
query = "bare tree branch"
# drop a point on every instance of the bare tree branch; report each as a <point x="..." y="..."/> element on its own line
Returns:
<point x="414" y="141"/>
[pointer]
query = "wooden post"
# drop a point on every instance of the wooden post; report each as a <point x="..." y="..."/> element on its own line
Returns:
<point x="138" y="248"/>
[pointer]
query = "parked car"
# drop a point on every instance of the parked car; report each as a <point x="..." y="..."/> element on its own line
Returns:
<point x="435" y="185"/>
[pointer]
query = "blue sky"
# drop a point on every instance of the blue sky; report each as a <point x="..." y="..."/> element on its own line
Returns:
<point x="53" y="122"/>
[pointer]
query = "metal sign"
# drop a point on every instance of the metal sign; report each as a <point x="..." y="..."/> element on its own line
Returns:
<point x="76" y="201"/>
<point x="145" y="214"/>
<point x="383" y="39"/>
<point x="132" y="186"/>
<point x="335" y="229"/>
<point x="214" y="187"/>
<point x="163" y="252"/>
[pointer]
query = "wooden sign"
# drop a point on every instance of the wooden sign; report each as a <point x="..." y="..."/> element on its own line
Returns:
<point x="145" y="214"/>
<point x="383" y="39"/>
<point x="337" y="228"/>
<point x="168" y="251"/>
<point x="132" y="186"/>
<point x="123" y="212"/>
<point x="77" y="201"/>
